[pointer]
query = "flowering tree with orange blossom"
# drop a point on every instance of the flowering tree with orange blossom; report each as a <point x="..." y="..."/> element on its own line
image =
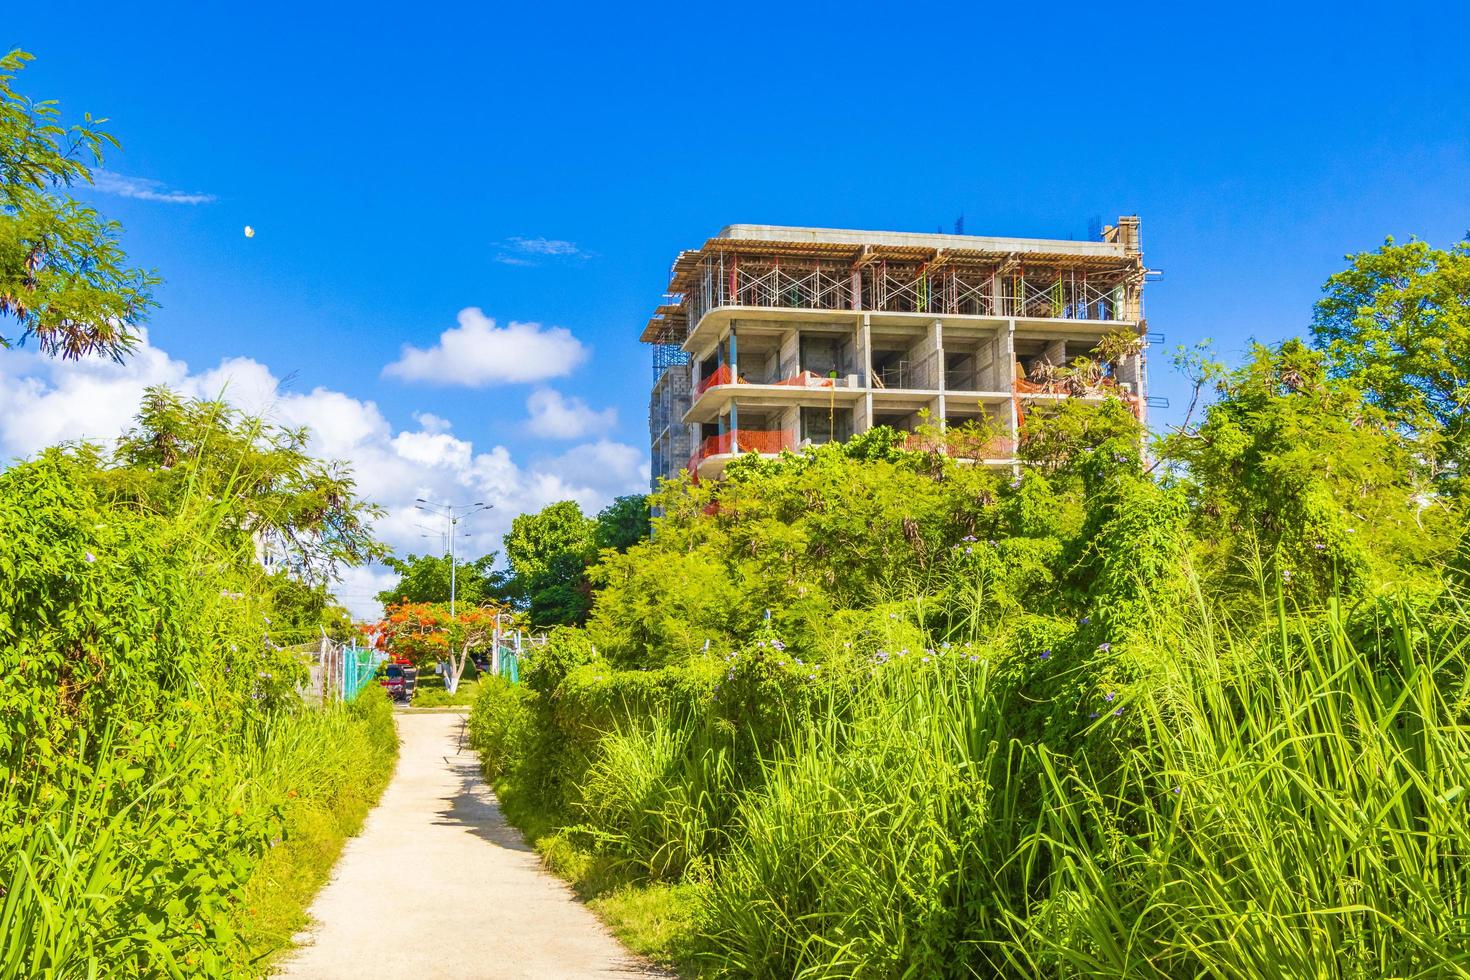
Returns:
<point x="425" y="632"/>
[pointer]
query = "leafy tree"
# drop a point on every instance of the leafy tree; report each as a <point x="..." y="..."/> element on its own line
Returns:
<point x="535" y="540"/>
<point x="623" y="523"/>
<point x="425" y="578"/>
<point x="549" y="552"/>
<point x="304" y="611"/>
<point x="1061" y="439"/>
<point x="1293" y="475"/>
<point x="63" y="274"/>
<point x="425" y="632"/>
<point x="262" y="484"/>
<point x="1396" y="324"/>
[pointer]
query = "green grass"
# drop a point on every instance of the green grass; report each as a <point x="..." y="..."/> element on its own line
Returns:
<point x="659" y="921"/>
<point x="336" y="765"/>
<point x="1292" y="802"/>
<point x="159" y="869"/>
<point x="430" y="692"/>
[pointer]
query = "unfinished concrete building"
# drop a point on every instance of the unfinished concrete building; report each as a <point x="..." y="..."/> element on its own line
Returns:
<point x="773" y="338"/>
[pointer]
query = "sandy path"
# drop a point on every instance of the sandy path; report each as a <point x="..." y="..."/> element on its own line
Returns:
<point x="439" y="885"/>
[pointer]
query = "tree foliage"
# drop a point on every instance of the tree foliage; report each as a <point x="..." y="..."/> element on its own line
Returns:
<point x="623" y="523"/>
<point x="259" y="479"/>
<point x="427" y="633"/>
<point x="549" y="552"/>
<point x="536" y="540"/>
<point x="425" y="578"/>
<point x="1396" y="324"/>
<point x="1293" y="474"/>
<point x="64" y="277"/>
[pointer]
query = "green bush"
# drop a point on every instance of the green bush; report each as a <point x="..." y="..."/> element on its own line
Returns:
<point x="498" y="724"/>
<point x="155" y="755"/>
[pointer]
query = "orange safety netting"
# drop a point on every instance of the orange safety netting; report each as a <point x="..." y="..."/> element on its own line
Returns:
<point x="744" y="441"/>
<point x="721" y="376"/>
<point x="807" y="379"/>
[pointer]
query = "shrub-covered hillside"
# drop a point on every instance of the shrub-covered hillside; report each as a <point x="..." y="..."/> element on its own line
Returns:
<point x="870" y="712"/>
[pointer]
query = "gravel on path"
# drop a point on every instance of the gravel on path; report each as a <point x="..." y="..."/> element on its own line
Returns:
<point x="438" y="884"/>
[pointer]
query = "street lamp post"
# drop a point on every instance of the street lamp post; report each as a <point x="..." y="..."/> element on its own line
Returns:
<point x="452" y="516"/>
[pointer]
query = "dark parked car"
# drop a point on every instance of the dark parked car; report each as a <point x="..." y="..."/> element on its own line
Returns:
<point x="395" y="683"/>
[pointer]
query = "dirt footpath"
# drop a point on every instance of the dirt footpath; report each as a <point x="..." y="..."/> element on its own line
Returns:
<point x="439" y="885"/>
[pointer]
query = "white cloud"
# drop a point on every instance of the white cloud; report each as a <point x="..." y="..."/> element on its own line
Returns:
<point x="430" y="422"/>
<point x="478" y="353"/>
<point x="546" y="246"/>
<point x="143" y="189"/>
<point x="555" y="416"/>
<point x="44" y="401"/>
<point x="513" y="250"/>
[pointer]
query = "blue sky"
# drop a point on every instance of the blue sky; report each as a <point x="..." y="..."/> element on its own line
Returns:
<point x="403" y="163"/>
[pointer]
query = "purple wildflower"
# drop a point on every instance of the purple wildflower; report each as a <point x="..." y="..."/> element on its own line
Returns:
<point x="90" y="558"/>
<point x="1109" y="696"/>
<point x="1117" y="712"/>
<point x="1086" y="620"/>
<point x="1104" y="647"/>
<point x="1045" y="654"/>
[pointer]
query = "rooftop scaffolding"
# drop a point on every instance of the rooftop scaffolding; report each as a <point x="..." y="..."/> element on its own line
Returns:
<point x="949" y="275"/>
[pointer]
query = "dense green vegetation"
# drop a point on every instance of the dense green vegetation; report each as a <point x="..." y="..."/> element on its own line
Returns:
<point x="869" y="712"/>
<point x="552" y="551"/>
<point x="168" y="802"/>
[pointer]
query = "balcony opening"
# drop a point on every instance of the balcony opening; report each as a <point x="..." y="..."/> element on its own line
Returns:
<point x="904" y="365"/>
<point x="823" y="425"/>
<point x="759" y="359"/>
<point x="708" y="369"/>
<point x="825" y="356"/>
<point x="902" y="421"/>
<point x="970" y="365"/>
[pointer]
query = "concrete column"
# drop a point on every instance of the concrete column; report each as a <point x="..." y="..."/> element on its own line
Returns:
<point x="734" y="427"/>
<point x="1055" y="352"/>
<point x="1013" y="426"/>
<point x="936" y="333"/>
<point x="734" y="363"/>
<point x="790" y="357"/>
<point x="929" y="355"/>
